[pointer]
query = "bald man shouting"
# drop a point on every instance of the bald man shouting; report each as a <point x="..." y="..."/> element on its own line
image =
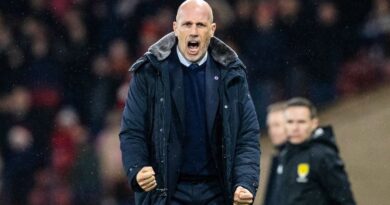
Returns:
<point x="189" y="131"/>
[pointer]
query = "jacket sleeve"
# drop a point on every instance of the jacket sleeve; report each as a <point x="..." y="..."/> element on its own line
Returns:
<point x="133" y="134"/>
<point x="247" y="158"/>
<point x="334" y="179"/>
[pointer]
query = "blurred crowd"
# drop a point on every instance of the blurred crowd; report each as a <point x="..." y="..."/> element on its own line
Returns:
<point x="64" y="78"/>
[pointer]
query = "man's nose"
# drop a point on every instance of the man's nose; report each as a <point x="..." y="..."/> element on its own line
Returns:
<point x="194" y="31"/>
<point x="296" y="127"/>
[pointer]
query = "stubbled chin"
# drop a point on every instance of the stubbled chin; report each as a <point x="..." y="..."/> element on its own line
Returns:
<point x="192" y="58"/>
<point x="192" y="55"/>
<point x="193" y="51"/>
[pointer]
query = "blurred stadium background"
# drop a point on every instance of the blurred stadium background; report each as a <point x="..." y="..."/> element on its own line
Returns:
<point x="64" y="79"/>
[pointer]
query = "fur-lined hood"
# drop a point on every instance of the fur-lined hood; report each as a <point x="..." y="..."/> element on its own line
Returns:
<point x="219" y="51"/>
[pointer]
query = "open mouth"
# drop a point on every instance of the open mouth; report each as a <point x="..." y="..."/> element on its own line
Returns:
<point x="193" y="46"/>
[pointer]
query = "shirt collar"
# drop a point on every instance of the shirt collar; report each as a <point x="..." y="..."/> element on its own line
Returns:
<point x="186" y="62"/>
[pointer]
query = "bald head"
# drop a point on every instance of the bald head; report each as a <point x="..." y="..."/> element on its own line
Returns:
<point x="199" y="5"/>
<point x="194" y="28"/>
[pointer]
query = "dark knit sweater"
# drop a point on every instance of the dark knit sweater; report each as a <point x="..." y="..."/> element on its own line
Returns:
<point x="197" y="157"/>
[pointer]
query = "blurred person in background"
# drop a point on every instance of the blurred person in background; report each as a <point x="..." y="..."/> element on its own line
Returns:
<point x="40" y="9"/>
<point x="101" y="92"/>
<point x="20" y="145"/>
<point x="15" y="109"/>
<point x="86" y="174"/>
<point x="377" y="24"/>
<point x="108" y="72"/>
<point x="5" y="44"/>
<point x="277" y="133"/>
<point x="43" y="75"/>
<point x="352" y="15"/>
<point x="75" y="57"/>
<point x="164" y="17"/>
<point x="242" y="23"/>
<point x="12" y="59"/>
<point x="49" y="189"/>
<point x="113" y="179"/>
<point x="119" y="59"/>
<point x="312" y="171"/>
<point x="178" y="145"/>
<point x="368" y="64"/>
<point x="324" y="58"/>
<point x="20" y="162"/>
<point x="265" y="50"/>
<point x="376" y="32"/>
<point x="63" y="148"/>
<point x="224" y="15"/>
<point x="148" y="34"/>
<point x="293" y="26"/>
<point x="74" y="161"/>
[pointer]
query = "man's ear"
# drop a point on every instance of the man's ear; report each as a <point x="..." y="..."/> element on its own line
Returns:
<point x="174" y="25"/>
<point x="315" y="123"/>
<point x="213" y="28"/>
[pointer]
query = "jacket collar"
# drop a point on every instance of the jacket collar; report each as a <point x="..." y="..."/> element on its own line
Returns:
<point x="325" y="135"/>
<point x="218" y="50"/>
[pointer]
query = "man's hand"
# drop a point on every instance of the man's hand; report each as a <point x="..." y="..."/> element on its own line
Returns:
<point x="242" y="196"/>
<point x="146" y="179"/>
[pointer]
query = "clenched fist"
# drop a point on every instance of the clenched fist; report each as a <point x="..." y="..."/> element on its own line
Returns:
<point x="146" y="179"/>
<point x="242" y="196"/>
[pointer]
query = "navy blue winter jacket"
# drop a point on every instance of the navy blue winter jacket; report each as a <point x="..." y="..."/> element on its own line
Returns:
<point x="153" y="118"/>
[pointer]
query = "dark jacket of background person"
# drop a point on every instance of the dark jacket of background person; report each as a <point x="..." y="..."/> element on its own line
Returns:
<point x="153" y="119"/>
<point x="323" y="182"/>
<point x="273" y="180"/>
